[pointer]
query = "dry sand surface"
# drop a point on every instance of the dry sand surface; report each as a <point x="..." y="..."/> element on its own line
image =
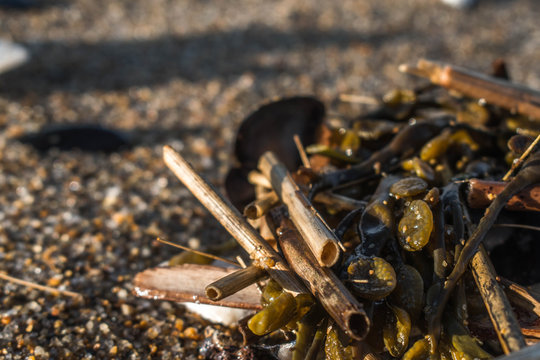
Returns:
<point x="182" y="73"/>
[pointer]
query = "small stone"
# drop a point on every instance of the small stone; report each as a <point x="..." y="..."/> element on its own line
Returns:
<point x="126" y="309"/>
<point x="152" y="333"/>
<point x="40" y="352"/>
<point x="54" y="281"/>
<point x="191" y="333"/>
<point x="179" y="324"/>
<point x="90" y="325"/>
<point x="113" y="351"/>
<point x="104" y="328"/>
<point x="122" y="294"/>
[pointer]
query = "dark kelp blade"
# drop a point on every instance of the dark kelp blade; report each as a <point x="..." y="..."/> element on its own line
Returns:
<point x="239" y="191"/>
<point x="272" y="127"/>
<point x="91" y="138"/>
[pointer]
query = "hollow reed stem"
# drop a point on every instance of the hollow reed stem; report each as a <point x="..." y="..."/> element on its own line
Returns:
<point x="322" y="241"/>
<point x="342" y="306"/>
<point x="261" y="205"/>
<point x="495" y="91"/>
<point x="234" y="282"/>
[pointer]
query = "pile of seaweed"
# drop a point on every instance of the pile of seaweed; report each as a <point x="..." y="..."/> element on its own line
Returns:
<point x="405" y="232"/>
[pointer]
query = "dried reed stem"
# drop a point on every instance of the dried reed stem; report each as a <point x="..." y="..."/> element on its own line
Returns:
<point x="234" y="282"/>
<point x="505" y="94"/>
<point x="348" y="313"/>
<point x="255" y="178"/>
<point x="258" y="249"/>
<point x="500" y="311"/>
<point x="261" y="205"/>
<point x="322" y="242"/>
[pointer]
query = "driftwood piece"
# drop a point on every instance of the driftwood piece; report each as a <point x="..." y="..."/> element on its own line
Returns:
<point x="497" y="304"/>
<point x="185" y="283"/>
<point x="234" y="282"/>
<point x="322" y="242"/>
<point x="258" y="249"/>
<point x="503" y="93"/>
<point x="482" y="192"/>
<point x="342" y="306"/>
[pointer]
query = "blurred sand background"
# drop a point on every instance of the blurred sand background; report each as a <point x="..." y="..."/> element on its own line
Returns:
<point x="183" y="73"/>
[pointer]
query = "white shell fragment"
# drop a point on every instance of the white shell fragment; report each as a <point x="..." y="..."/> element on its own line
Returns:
<point x="11" y="55"/>
<point x="460" y="4"/>
<point x="219" y="314"/>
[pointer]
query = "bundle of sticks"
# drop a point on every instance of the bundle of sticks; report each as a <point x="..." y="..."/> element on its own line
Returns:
<point x="339" y="262"/>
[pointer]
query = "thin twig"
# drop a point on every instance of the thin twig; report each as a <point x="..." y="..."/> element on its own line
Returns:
<point x="33" y="285"/>
<point x="519" y="226"/>
<point x="517" y="163"/>
<point x="301" y="151"/>
<point x="258" y="249"/>
<point x="202" y="253"/>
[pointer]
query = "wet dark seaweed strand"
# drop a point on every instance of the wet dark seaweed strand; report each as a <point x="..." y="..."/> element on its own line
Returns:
<point x="404" y="144"/>
<point x="438" y="246"/>
<point x="375" y="239"/>
<point x="347" y="221"/>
